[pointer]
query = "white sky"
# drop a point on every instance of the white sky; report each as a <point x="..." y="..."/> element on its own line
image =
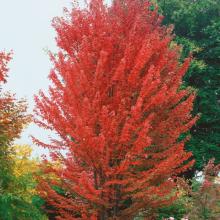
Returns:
<point x="26" y="29"/>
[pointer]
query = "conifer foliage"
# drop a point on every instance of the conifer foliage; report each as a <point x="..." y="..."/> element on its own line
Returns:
<point x="197" y="28"/>
<point x="116" y="104"/>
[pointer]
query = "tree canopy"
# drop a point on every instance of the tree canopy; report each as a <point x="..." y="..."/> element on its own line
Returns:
<point x="197" y="28"/>
<point x="117" y="106"/>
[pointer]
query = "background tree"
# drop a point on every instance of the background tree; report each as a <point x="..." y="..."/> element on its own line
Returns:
<point x="12" y="120"/>
<point x="16" y="180"/>
<point x="206" y="196"/>
<point x="21" y="201"/>
<point x="4" y="59"/>
<point x="199" y="200"/>
<point x="118" y="109"/>
<point x="197" y="28"/>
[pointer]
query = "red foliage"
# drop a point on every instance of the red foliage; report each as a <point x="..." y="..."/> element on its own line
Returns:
<point x="117" y="106"/>
<point x="12" y="112"/>
<point x="4" y="59"/>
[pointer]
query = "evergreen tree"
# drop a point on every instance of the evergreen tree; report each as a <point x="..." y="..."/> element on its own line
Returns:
<point x="197" y="28"/>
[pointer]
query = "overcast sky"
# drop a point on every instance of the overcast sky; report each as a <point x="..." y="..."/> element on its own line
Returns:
<point x="26" y="29"/>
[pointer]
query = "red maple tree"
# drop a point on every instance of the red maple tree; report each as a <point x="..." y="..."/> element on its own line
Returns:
<point x="117" y="106"/>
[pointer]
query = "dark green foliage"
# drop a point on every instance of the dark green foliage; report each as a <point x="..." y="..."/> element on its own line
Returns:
<point x="13" y="207"/>
<point x="177" y="210"/>
<point x="38" y="202"/>
<point x="5" y="167"/>
<point x="197" y="28"/>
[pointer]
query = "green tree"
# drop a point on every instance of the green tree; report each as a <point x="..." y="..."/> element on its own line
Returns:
<point x="20" y="201"/>
<point x="16" y="178"/>
<point x="13" y="118"/>
<point x="197" y="28"/>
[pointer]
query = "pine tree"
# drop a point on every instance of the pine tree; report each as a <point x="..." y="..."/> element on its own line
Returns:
<point x="117" y="106"/>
